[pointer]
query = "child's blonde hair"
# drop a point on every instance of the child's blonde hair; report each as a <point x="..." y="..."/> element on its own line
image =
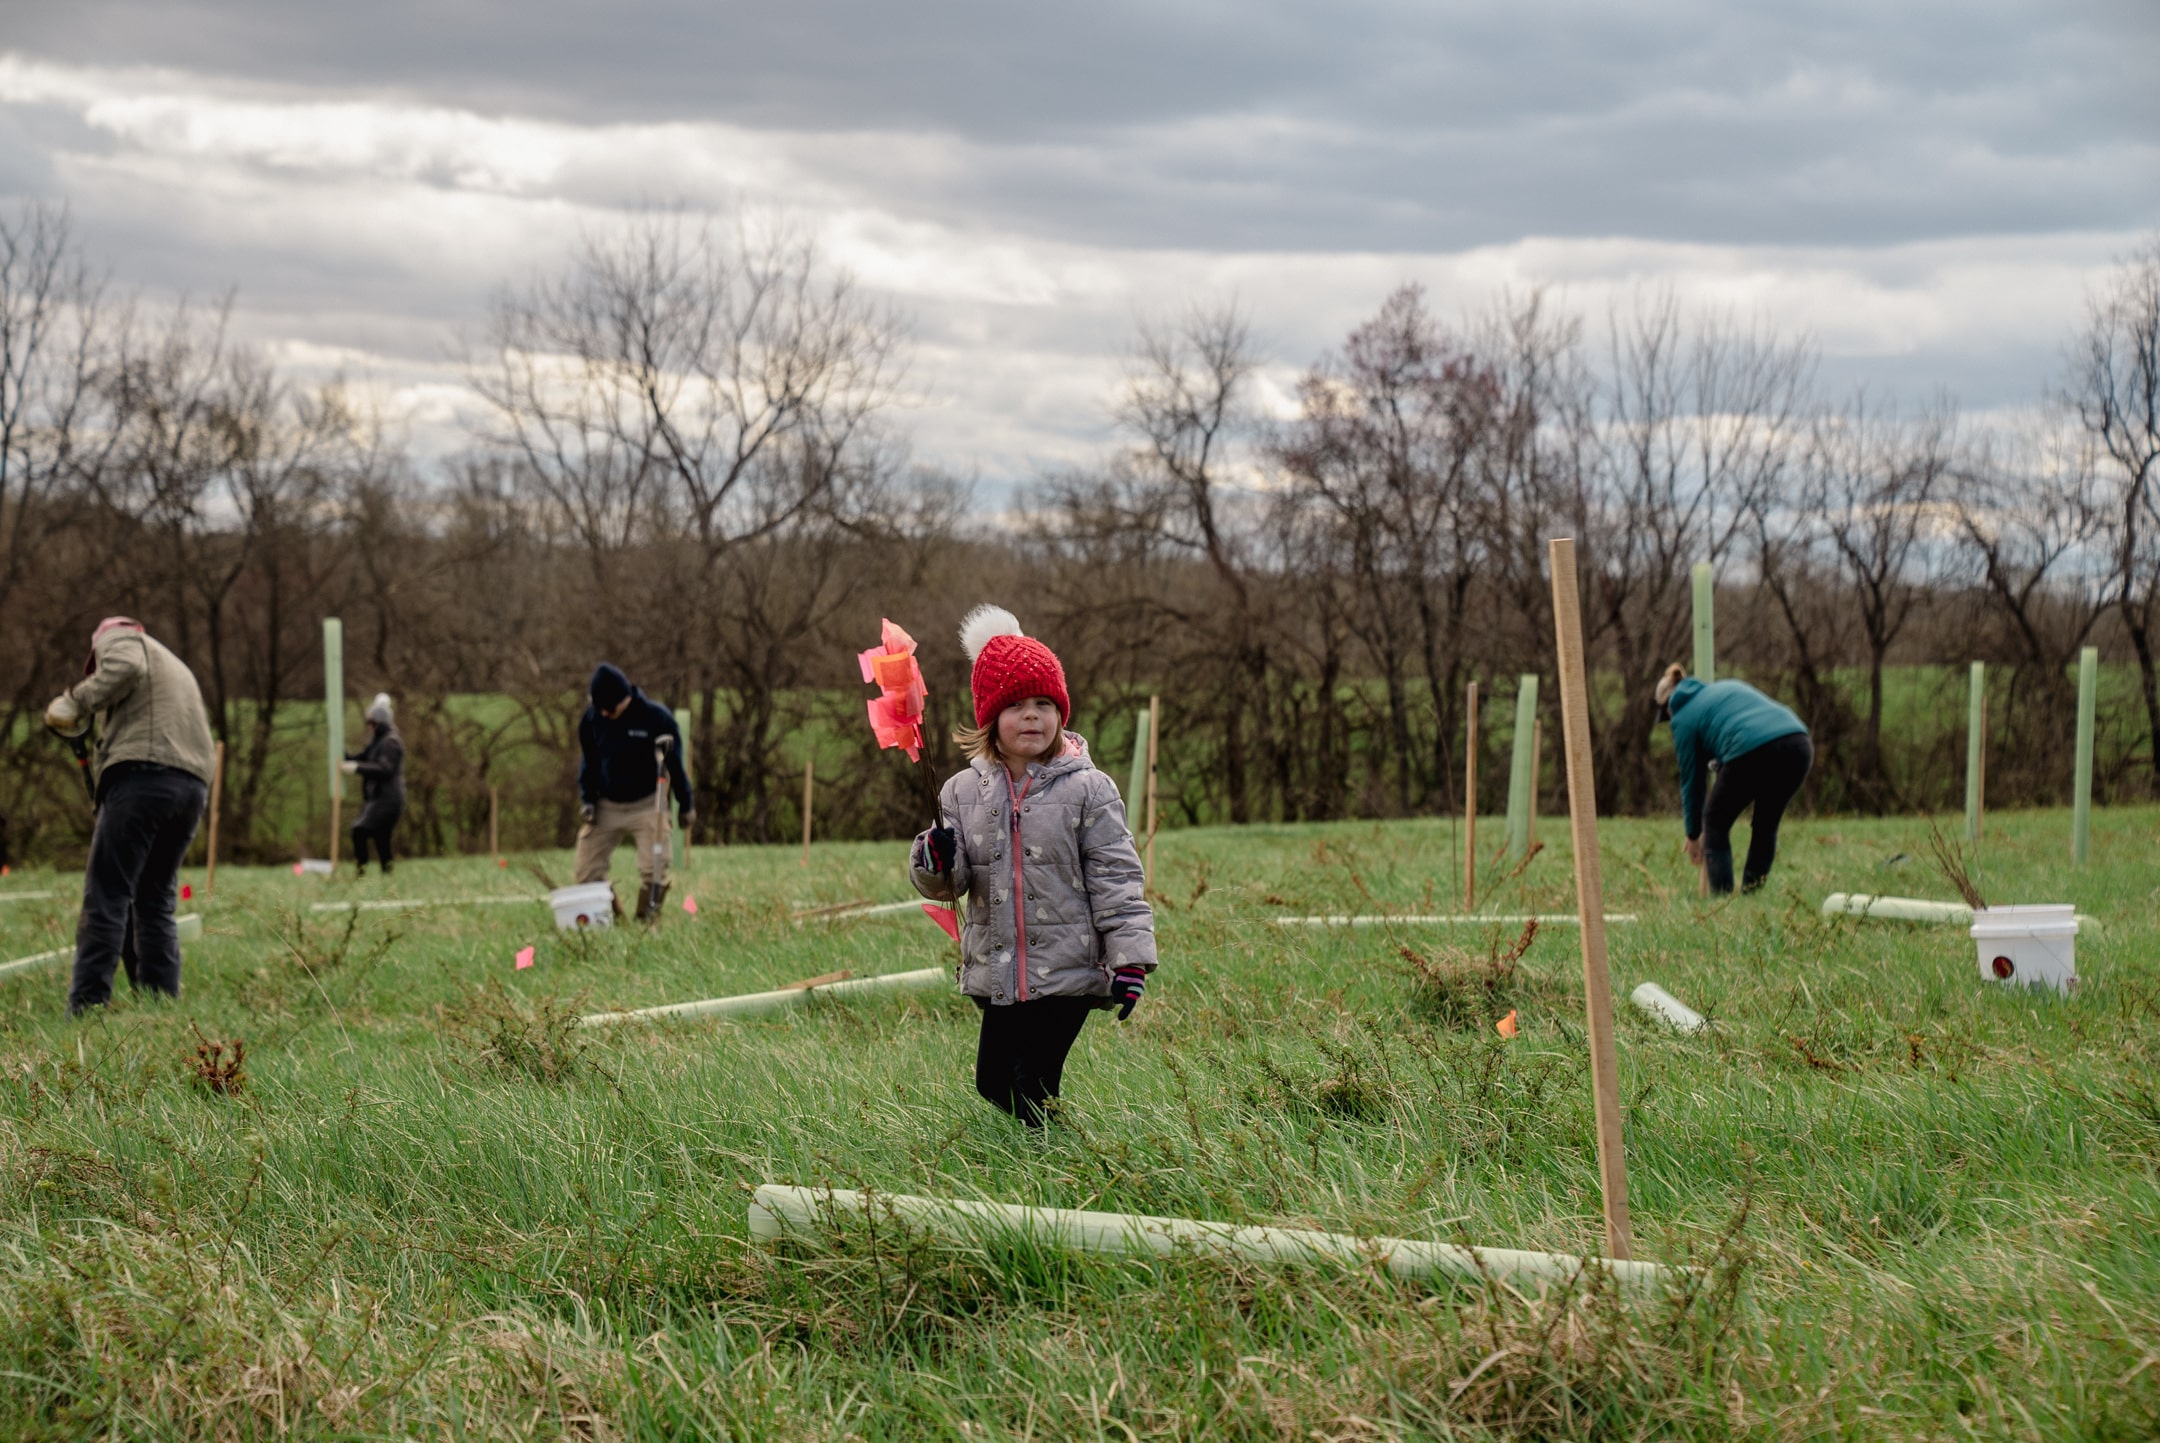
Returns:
<point x="979" y="744"/>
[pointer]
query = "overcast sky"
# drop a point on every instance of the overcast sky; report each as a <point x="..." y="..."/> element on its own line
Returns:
<point x="1928" y="188"/>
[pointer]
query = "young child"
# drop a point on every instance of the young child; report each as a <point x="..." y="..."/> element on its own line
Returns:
<point x="1034" y="836"/>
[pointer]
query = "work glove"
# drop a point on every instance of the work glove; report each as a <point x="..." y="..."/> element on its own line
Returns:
<point x="941" y="848"/>
<point x="587" y="811"/>
<point x="348" y="768"/>
<point x="63" y="716"/>
<point x="686" y="819"/>
<point x="1126" y="985"/>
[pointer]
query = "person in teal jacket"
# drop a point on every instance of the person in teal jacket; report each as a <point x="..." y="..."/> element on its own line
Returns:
<point x="1762" y="753"/>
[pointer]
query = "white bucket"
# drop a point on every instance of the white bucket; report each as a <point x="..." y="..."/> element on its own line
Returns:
<point x="2028" y="946"/>
<point x="588" y="904"/>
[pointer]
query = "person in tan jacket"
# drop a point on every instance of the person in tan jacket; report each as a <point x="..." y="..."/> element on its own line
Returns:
<point x="154" y="757"/>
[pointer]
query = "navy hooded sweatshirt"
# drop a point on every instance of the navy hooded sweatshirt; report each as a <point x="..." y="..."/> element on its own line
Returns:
<point x="617" y="763"/>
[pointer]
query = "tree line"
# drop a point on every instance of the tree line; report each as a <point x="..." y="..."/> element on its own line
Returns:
<point x="692" y="461"/>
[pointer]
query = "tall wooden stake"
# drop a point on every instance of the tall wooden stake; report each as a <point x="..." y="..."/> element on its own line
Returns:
<point x="808" y="764"/>
<point x="494" y="820"/>
<point x="1975" y="749"/>
<point x="1590" y="896"/>
<point x="1469" y="865"/>
<point x="1154" y="739"/>
<point x="217" y="800"/>
<point x="682" y="834"/>
<point x="2081" y="800"/>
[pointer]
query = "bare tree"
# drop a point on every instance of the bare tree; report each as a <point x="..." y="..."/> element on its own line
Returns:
<point x="1875" y="481"/>
<point x="680" y="389"/>
<point x="1699" y="423"/>
<point x="2115" y="390"/>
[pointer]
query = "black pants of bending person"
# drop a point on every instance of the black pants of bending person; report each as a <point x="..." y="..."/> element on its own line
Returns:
<point x="1020" y="1057"/>
<point x="1765" y="779"/>
<point x="147" y="816"/>
<point x="374" y="826"/>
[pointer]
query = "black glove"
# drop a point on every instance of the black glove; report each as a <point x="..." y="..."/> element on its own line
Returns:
<point x="587" y="811"/>
<point x="941" y="848"/>
<point x="1125" y="989"/>
<point x="686" y="819"/>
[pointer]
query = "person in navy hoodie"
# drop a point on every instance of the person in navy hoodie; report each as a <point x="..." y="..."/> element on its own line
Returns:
<point x="618" y="776"/>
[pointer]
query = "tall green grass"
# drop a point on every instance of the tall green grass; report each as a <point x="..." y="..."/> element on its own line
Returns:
<point x="1926" y="1205"/>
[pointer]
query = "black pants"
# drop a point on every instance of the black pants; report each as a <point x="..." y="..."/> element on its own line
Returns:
<point x="1020" y="1058"/>
<point x="147" y="816"/>
<point x="1766" y="779"/>
<point x="376" y="826"/>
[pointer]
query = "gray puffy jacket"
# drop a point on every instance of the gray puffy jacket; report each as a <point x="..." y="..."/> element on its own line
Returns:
<point x="1064" y="887"/>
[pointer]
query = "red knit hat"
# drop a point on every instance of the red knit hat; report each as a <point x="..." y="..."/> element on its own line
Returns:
<point x="1009" y="667"/>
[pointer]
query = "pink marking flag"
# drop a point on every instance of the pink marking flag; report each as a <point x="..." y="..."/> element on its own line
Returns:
<point x="297" y="869"/>
<point x="896" y="712"/>
<point x="187" y="892"/>
<point x="945" y="917"/>
<point x="689" y="904"/>
<point x="524" y="958"/>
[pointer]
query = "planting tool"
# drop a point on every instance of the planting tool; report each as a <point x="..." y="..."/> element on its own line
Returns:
<point x="78" y="743"/>
<point x="656" y="893"/>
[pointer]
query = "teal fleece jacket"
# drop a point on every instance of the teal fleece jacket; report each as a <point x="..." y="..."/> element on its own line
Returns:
<point x="1719" y="722"/>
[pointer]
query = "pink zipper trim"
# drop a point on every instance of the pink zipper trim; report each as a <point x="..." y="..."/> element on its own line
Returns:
<point x="1019" y="880"/>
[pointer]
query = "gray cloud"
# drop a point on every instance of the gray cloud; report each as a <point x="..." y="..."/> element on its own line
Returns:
<point x="1382" y="125"/>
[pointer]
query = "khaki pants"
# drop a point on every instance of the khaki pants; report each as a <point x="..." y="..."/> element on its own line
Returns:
<point x="612" y="823"/>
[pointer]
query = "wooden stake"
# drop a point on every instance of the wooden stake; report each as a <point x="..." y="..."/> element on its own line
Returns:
<point x="807" y="766"/>
<point x="1590" y="896"/>
<point x="337" y="808"/>
<point x="1469" y="865"/>
<point x="1154" y="738"/>
<point x="494" y="821"/>
<point x="217" y="800"/>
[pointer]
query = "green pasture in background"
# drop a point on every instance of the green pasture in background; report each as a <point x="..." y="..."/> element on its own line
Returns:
<point x="430" y="1207"/>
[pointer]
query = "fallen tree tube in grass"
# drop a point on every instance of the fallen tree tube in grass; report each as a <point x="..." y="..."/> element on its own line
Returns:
<point x="1667" y="1008"/>
<point x="752" y="1004"/>
<point x="1384" y="919"/>
<point x="881" y="909"/>
<point x="188" y="926"/>
<point x="1912" y="909"/>
<point x="778" y="1211"/>
<point x="406" y="904"/>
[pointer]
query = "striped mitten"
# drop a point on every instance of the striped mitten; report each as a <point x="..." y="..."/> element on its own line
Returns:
<point x="1126" y="985"/>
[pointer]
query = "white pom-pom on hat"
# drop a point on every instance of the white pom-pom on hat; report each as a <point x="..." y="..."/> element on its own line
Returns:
<point x="983" y="623"/>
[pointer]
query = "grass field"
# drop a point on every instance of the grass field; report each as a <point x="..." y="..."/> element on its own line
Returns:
<point x="430" y="1209"/>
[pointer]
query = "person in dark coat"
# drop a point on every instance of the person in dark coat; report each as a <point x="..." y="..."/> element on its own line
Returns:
<point x="380" y="766"/>
<point x="1762" y="753"/>
<point x="619" y="779"/>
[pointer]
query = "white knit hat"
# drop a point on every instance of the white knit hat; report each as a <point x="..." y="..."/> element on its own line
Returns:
<point x="378" y="710"/>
